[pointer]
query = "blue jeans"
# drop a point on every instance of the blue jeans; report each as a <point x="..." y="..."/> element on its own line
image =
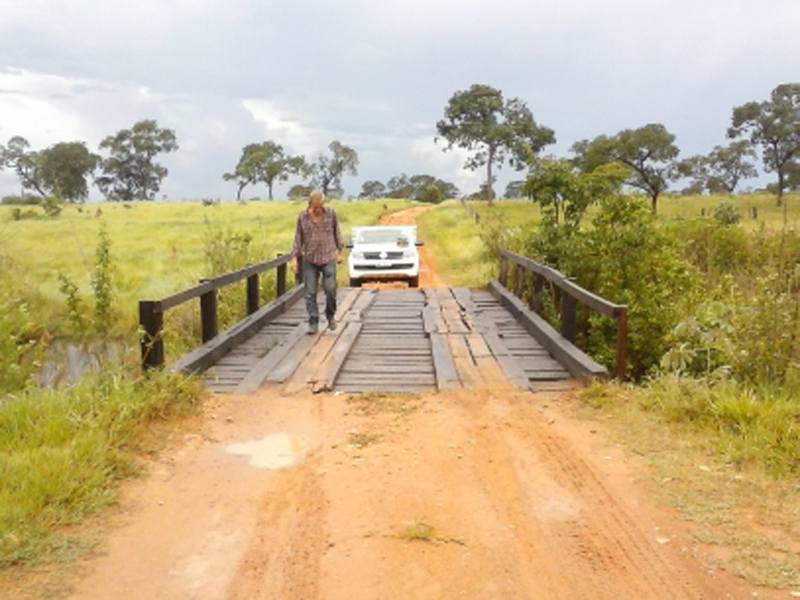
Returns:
<point x="311" y="273"/>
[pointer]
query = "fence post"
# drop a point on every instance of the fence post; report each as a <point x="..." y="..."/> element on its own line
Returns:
<point x="622" y="344"/>
<point x="252" y="294"/>
<point x="569" y="312"/>
<point x="151" y="320"/>
<point x="208" y="314"/>
<point x="280" y="279"/>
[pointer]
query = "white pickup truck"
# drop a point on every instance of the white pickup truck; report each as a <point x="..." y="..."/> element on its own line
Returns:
<point x="384" y="253"/>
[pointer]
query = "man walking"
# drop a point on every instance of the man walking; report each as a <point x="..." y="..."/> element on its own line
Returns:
<point x="318" y="248"/>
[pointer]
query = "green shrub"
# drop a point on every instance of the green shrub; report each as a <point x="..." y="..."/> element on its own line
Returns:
<point x="627" y="258"/>
<point x="75" y="310"/>
<point x="102" y="284"/>
<point x="727" y="213"/>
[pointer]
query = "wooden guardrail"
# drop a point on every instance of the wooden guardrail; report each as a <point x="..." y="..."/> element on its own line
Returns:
<point x="516" y="267"/>
<point x="151" y="315"/>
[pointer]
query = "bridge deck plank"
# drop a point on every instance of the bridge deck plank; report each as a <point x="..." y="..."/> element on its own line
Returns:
<point x="393" y="341"/>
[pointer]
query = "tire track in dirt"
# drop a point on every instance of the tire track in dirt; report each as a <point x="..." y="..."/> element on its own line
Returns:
<point x="586" y="534"/>
<point x="293" y="512"/>
<point x="516" y="509"/>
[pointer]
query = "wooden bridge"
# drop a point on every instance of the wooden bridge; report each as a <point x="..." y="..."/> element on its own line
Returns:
<point x="390" y="339"/>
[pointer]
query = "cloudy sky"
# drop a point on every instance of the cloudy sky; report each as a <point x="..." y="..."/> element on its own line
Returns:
<point x="377" y="74"/>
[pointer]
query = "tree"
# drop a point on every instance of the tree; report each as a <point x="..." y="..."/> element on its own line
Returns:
<point x="372" y="189"/>
<point x="403" y="186"/>
<point x="129" y="172"/>
<point x="565" y="195"/>
<point x="24" y="163"/>
<point x="480" y="120"/>
<point x="298" y="192"/>
<point x="775" y="126"/>
<point x="264" y="163"/>
<point x="793" y="176"/>
<point x="430" y="194"/>
<point x="514" y="189"/>
<point x="327" y="171"/>
<point x="64" y="168"/>
<point x="399" y="186"/>
<point x="722" y="170"/>
<point x="649" y="152"/>
<point x="449" y="190"/>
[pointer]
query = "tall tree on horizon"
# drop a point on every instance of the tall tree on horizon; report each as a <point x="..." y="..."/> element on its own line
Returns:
<point x="649" y="153"/>
<point x="129" y="172"/>
<point x="264" y="163"/>
<point x="774" y="125"/>
<point x="494" y="129"/>
<point x="327" y="170"/>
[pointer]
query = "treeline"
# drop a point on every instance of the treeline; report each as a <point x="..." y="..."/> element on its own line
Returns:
<point x="495" y="130"/>
<point x="500" y="131"/>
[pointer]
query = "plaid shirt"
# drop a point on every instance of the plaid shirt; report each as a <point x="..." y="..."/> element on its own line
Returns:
<point x="317" y="243"/>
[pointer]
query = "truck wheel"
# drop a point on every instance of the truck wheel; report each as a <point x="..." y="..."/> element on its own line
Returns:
<point x="413" y="282"/>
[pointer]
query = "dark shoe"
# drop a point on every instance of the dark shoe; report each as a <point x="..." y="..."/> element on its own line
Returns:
<point x="332" y="324"/>
<point x="312" y="328"/>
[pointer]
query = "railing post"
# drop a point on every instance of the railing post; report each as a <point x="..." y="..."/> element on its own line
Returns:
<point x="519" y="277"/>
<point x="252" y="294"/>
<point x="503" y="276"/>
<point x="622" y="344"/>
<point x="298" y="277"/>
<point x="536" y="294"/>
<point x="280" y="280"/>
<point x="208" y="314"/>
<point x="569" y="322"/>
<point x="151" y="320"/>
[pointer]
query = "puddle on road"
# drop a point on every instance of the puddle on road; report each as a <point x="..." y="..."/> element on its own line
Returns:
<point x="275" y="451"/>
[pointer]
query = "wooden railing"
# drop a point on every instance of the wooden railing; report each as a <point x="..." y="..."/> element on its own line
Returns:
<point x="569" y="294"/>
<point x="151" y="315"/>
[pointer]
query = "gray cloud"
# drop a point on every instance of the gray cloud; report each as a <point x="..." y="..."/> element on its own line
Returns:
<point x="377" y="75"/>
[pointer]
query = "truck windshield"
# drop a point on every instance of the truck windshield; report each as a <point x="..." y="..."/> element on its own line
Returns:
<point x="382" y="236"/>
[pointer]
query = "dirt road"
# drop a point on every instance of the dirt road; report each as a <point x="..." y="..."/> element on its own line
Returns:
<point x="428" y="273"/>
<point x="486" y="494"/>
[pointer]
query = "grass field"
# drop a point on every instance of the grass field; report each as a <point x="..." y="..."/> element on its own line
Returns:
<point x="157" y="248"/>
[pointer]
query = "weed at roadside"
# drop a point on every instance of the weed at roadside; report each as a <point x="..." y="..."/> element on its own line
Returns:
<point x="694" y="438"/>
<point x="64" y="450"/>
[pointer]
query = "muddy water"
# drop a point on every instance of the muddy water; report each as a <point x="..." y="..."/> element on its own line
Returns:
<point x="275" y="451"/>
<point x="67" y="362"/>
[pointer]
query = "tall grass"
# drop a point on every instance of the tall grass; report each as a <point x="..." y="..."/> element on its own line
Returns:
<point x="158" y="247"/>
<point x="748" y="427"/>
<point x="454" y="240"/>
<point x="62" y="451"/>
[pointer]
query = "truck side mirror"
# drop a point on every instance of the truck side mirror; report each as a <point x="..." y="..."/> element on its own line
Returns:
<point x="419" y="243"/>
